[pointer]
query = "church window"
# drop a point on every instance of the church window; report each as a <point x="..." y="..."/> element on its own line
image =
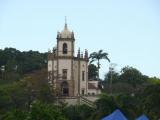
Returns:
<point x="64" y="72"/>
<point x="64" y="48"/>
<point x="83" y="75"/>
<point x="83" y="92"/>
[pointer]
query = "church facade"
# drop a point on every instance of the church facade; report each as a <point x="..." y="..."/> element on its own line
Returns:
<point x="68" y="74"/>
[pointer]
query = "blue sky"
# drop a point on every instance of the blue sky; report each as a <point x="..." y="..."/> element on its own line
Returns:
<point x="129" y="30"/>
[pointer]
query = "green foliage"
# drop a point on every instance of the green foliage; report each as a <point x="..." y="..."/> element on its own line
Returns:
<point x="96" y="56"/>
<point x="129" y="104"/>
<point x="115" y="77"/>
<point x="130" y="80"/>
<point x="105" y="105"/>
<point x="92" y="72"/>
<point x="151" y="101"/>
<point x="38" y="87"/>
<point x="78" y="112"/>
<point x="20" y="94"/>
<point x="153" y="80"/>
<point x="40" y="111"/>
<point x="13" y="96"/>
<point x="5" y="100"/>
<point x="15" y="115"/>
<point x="131" y="76"/>
<point x="19" y="63"/>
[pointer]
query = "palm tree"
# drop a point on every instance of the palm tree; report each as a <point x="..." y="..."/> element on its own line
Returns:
<point x="97" y="56"/>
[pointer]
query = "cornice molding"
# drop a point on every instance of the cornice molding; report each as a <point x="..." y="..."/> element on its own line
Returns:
<point x="65" y="39"/>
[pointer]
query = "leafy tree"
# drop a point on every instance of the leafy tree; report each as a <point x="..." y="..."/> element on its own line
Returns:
<point x="105" y="105"/>
<point x="72" y="112"/>
<point x="130" y="105"/>
<point x="92" y="72"/>
<point x="153" y="80"/>
<point x="151" y="101"/>
<point x="115" y="77"/>
<point x="21" y="63"/>
<point x="78" y="112"/>
<point x="38" y="86"/>
<point x="5" y="100"/>
<point x="20" y="94"/>
<point x="41" y="111"/>
<point x="132" y="76"/>
<point x="15" y="114"/>
<point x="38" y="111"/>
<point x="13" y="96"/>
<point x="97" y="56"/>
<point x="130" y="80"/>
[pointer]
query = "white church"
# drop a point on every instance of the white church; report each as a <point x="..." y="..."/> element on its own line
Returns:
<point x="67" y="73"/>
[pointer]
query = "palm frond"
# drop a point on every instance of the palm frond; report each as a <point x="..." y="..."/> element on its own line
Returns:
<point x="106" y="57"/>
<point x="98" y="55"/>
<point x="92" y="61"/>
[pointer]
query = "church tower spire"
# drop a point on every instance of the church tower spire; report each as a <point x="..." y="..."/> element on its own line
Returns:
<point x="65" y="26"/>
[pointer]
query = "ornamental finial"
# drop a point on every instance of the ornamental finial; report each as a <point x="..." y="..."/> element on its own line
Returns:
<point x="65" y="22"/>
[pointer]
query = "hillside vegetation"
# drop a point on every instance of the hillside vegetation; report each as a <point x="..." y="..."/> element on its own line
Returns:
<point x="26" y="95"/>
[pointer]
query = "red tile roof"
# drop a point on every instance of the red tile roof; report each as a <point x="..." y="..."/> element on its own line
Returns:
<point x="91" y="86"/>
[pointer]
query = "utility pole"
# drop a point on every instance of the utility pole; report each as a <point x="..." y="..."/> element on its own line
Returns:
<point x="111" y="69"/>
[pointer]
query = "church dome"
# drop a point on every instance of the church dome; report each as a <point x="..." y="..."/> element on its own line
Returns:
<point x="65" y="33"/>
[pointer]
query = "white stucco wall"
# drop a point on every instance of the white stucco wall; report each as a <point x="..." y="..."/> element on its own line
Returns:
<point x="75" y="70"/>
<point x="49" y="65"/>
<point x="65" y="64"/>
<point x="50" y="62"/>
<point x="83" y="83"/>
<point x="92" y="91"/>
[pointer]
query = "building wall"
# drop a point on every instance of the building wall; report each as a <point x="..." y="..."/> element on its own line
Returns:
<point x="92" y="92"/>
<point x="65" y="64"/>
<point x="83" y="83"/>
<point x="52" y="65"/>
<point x="79" y="67"/>
<point x="76" y="84"/>
<point x="75" y="74"/>
<point x="69" y="46"/>
<point x="94" y="82"/>
<point x="49" y="65"/>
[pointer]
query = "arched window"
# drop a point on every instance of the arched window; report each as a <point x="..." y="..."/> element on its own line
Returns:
<point x="64" y="48"/>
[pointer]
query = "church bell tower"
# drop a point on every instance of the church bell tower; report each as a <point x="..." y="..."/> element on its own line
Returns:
<point x="63" y="59"/>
